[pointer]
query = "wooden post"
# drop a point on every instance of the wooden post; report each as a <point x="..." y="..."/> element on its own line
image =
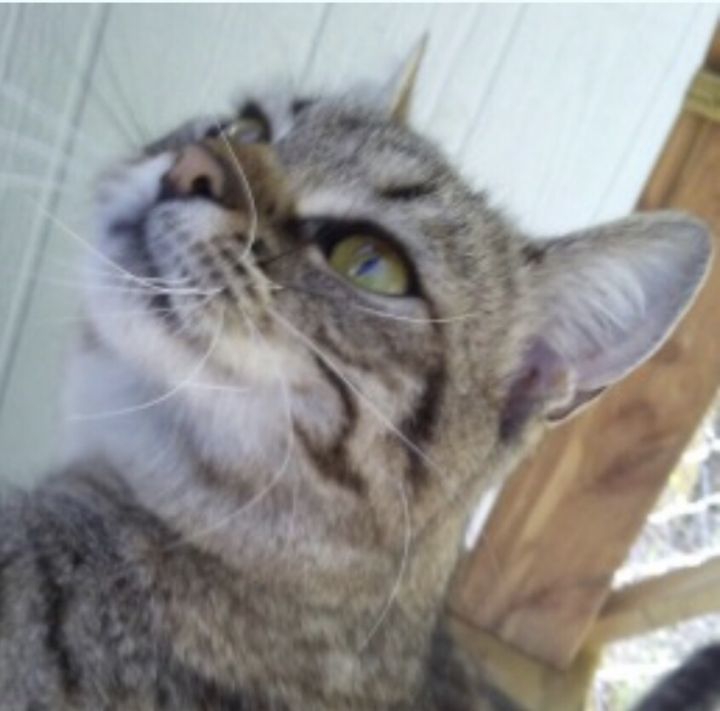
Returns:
<point x="660" y="601"/>
<point x="563" y="524"/>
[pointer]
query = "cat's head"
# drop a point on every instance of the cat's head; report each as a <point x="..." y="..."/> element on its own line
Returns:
<point x="315" y="299"/>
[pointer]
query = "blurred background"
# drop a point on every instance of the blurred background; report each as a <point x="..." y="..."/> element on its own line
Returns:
<point x="559" y="111"/>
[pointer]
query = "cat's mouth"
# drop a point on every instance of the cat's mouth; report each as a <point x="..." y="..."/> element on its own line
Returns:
<point x="172" y="223"/>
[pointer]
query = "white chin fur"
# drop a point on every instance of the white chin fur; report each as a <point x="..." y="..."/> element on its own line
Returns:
<point x="128" y="190"/>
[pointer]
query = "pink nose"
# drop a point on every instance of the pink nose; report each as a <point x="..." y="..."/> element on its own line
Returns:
<point x="196" y="172"/>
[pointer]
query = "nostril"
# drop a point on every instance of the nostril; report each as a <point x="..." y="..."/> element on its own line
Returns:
<point x="196" y="172"/>
<point x="202" y="186"/>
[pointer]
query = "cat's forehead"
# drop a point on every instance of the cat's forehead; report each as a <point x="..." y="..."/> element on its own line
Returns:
<point x="363" y="142"/>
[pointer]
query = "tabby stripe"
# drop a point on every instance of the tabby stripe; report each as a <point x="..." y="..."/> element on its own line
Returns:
<point x="4" y="563"/>
<point x="200" y="692"/>
<point x="419" y="427"/>
<point x="333" y="462"/>
<point x="56" y="599"/>
<point x="330" y="344"/>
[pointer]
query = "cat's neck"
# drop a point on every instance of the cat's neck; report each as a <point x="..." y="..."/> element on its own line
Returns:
<point x="276" y="532"/>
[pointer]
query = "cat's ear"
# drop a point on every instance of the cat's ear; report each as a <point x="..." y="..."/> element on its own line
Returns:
<point x="399" y="90"/>
<point x="604" y="301"/>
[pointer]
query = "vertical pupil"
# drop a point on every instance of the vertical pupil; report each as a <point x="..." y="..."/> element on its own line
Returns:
<point x="368" y="259"/>
<point x="367" y="266"/>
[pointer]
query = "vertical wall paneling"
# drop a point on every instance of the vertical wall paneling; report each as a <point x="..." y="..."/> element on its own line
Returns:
<point x="567" y="103"/>
<point x="47" y="116"/>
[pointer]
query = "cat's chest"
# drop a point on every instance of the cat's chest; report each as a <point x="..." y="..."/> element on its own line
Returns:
<point x="286" y="650"/>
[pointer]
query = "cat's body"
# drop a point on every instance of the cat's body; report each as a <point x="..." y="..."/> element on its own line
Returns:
<point x="312" y="348"/>
<point x="693" y="686"/>
<point x="104" y="607"/>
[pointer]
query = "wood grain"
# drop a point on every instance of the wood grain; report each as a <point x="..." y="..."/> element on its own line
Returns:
<point x="660" y="601"/>
<point x="531" y="684"/>
<point x="544" y="564"/>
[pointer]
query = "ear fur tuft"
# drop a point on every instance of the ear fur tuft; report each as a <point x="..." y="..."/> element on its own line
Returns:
<point x="607" y="298"/>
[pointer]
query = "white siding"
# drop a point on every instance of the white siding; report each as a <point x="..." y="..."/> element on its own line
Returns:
<point x="560" y="110"/>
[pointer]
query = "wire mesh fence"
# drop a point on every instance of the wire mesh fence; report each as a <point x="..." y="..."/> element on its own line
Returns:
<point x="683" y="529"/>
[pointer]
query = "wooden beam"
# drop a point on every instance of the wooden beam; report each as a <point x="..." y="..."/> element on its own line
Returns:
<point x="526" y="681"/>
<point x="660" y="601"/>
<point x="563" y="524"/>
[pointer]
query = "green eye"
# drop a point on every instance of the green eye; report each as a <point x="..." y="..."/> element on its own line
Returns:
<point x="372" y="264"/>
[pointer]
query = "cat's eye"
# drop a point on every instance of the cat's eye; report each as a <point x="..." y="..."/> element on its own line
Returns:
<point x="371" y="263"/>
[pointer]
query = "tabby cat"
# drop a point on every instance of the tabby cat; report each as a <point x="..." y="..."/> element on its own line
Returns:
<point x="309" y="347"/>
<point x="693" y="686"/>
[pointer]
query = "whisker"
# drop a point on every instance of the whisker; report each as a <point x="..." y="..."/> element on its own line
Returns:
<point x="246" y="188"/>
<point x="77" y="284"/>
<point x="23" y="181"/>
<point x="44" y="112"/>
<point x="369" y="404"/>
<point x="381" y="314"/>
<point x="19" y="144"/>
<point x="80" y="272"/>
<point x="107" y="313"/>
<point x="406" y="509"/>
<point x="131" y="112"/>
<point x="124" y="130"/>
<point x="165" y="396"/>
<point x="407" y="538"/>
<point x="281" y="255"/>
<point x="221" y="388"/>
<point x="410" y="319"/>
<point x="280" y="472"/>
<point x="105" y="259"/>
<point x="140" y="130"/>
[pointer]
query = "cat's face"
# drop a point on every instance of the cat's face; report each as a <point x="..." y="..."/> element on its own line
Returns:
<point x="338" y="279"/>
<point x="309" y="286"/>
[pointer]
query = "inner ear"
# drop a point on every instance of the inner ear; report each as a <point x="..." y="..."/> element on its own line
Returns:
<point x="604" y="300"/>
<point x="542" y="382"/>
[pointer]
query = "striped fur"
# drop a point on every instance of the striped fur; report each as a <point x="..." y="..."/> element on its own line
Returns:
<point x="268" y="469"/>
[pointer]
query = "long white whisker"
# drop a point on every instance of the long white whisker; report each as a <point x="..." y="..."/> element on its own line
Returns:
<point x="410" y="319"/>
<point x="132" y="118"/>
<point x="406" y="511"/>
<point x="221" y="388"/>
<point x="165" y="396"/>
<point x="246" y="188"/>
<point x="26" y="181"/>
<point x="77" y="284"/>
<point x="44" y="113"/>
<point x="107" y="313"/>
<point x="124" y="130"/>
<point x="368" y="403"/>
<point x="407" y="538"/>
<point x="113" y="283"/>
<point x="26" y="146"/>
<point x="129" y="275"/>
<point x="278" y="475"/>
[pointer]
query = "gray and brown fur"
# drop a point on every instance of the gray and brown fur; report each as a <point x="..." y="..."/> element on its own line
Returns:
<point x="278" y="530"/>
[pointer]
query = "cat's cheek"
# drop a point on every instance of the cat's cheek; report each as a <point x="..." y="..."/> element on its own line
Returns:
<point x="126" y="192"/>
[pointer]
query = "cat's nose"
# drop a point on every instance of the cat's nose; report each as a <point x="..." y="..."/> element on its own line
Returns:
<point x="196" y="172"/>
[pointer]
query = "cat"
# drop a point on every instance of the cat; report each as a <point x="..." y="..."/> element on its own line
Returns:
<point x="693" y="686"/>
<point x="309" y="347"/>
